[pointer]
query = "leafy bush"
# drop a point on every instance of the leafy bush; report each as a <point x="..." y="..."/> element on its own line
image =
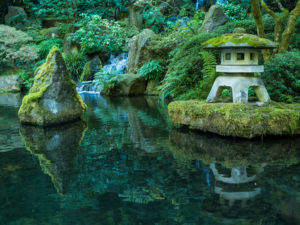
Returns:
<point x="27" y="80"/>
<point x="234" y="11"/>
<point x="152" y="71"/>
<point x="185" y="72"/>
<point x="99" y="35"/>
<point x="282" y="77"/>
<point x="75" y="64"/>
<point x="45" y="46"/>
<point x="153" y="19"/>
<point x="14" y="45"/>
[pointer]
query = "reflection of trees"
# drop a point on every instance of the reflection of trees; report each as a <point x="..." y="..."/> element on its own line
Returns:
<point x="56" y="148"/>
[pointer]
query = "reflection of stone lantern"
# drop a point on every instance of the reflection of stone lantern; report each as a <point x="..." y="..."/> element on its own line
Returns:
<point x="239" y="62"/>
<point x="236" y="186"/>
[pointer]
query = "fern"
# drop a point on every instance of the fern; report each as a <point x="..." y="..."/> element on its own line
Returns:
<point x="208" y="71"/>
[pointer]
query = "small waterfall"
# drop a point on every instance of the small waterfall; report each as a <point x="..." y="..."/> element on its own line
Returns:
<point x="90" y="87"/>
<point x="116" y="65"/>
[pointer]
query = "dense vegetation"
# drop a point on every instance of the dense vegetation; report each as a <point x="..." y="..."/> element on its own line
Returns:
<point x="179" y="65"/>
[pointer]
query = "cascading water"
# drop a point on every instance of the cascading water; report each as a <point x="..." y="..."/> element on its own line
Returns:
<point x="200" y="3"/>
<point x="116" y="65"/>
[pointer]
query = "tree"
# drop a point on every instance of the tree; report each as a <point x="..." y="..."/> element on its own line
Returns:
<point x="282" y="35"/>
<point x="14" y="45"/>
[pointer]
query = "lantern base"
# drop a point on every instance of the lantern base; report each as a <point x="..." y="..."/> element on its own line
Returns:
<point x="239" y="86"/>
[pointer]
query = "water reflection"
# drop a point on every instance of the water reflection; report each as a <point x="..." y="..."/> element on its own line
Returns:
<point x="56" y="148"/>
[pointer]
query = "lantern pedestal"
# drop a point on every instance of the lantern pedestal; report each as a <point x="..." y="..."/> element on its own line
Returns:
<point x="239" y="85"/>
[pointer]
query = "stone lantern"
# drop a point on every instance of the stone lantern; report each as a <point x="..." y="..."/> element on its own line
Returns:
<point x="239" y="62"/>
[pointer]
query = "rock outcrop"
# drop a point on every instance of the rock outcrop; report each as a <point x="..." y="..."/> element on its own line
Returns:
<point x="214" y="18"/>
<point x="15" y="15"/>
<point x="237" y="120"/>
<point x="10" y="83"/>
<point x="139" y="53"/>
<point x="90" y="69"/>
<point x="53" y="98"/>
<point x="125" y="85"/>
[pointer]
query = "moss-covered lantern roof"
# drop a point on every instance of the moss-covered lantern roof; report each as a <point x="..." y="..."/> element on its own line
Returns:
<point x="239" y="40"/>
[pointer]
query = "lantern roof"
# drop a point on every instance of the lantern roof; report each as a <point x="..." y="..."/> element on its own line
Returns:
<point x="239" y="40"/>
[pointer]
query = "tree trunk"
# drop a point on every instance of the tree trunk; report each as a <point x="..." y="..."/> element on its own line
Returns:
<point x="290" y="28"/>
<point x="256" y="12"/>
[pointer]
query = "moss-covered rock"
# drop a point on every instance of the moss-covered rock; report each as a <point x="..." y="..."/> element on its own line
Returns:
<point x="125" y="85"/>
<point x="90" y="69"/>
<point x="139" y="51"/>
<point x="237" y="120"/>
<point x="10" y="81"/>
<point x="214" y="18"/>
<point x="53" y="98"/>
<point x="239" y="40"/>
<point x="56" y="148"/>
<point x="52" y="32"/>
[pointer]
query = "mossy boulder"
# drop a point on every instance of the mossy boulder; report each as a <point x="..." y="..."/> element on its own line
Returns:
<point x="125" y="85"/>
<point x="53" y="98"/>
<point x="10" y="81"/>
<point x="237" y="120"/>
<point x="214" y="18"/>
<point x="90" y="69"/>
<point x="139" y="50"/>
<point x="52" y="32"/>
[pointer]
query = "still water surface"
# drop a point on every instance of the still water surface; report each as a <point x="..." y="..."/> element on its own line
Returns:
<point x="125" y="164"/>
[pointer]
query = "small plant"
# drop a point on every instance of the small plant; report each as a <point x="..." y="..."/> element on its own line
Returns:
<point x="45" y="46"/>
<point x="75" y="64"/>
<point x="152" y="71"/>
<point x="27" y="80"/>
<point x="153" y="19"/>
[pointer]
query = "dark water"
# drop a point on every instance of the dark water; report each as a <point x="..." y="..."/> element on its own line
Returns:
<point x="126" y="165"/>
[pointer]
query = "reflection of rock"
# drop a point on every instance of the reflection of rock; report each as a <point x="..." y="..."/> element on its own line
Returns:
<point x="53" y="98"/>
<point x="234" y="153"/>
<point x="10" y="100"/>
<point x="55" y="148"/>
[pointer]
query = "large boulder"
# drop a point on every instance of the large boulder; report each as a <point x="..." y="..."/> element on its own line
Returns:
<point x="90" y="69"/>
<point x="15" y="16"/>
<point x="214" y="18"/>
<point x="70" y="47"/>
<point x="10" y="82"/>
<point x="237" y="120"/>
<point x="139" y="51"/>
<point x="136" y="14"/>
<point x="53" y="98"/>
<point x="125" y="85"/>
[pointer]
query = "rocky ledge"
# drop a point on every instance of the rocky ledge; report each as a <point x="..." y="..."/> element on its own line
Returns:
<point x="237" y="120"/>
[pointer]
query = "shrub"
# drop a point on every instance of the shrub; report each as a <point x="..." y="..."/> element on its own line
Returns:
<point x="45" y="46"/>
<point x="234" y="11"/>
<point x="75" y="64"/>
<point x="152" y="71"/>
<point x="153" y="19"/>
<point x="99" y="35"/>
<point x="14" y="45"/>
<point x="185" y="71"/>
<point x="282" y="77"/>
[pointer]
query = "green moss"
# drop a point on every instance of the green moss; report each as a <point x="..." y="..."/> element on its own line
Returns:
<point x="238" y="39"/>
<point x="238" y="120"/>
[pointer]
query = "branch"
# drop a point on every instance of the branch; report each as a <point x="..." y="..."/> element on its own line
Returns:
<point x="280" y="6"/>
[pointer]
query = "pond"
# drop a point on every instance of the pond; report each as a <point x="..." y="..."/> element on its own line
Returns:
<point x="126" y="164"/>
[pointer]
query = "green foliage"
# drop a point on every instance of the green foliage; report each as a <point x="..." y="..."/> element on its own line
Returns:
<point x="185" y="72"/>
<point x="14" y="46"/>
<point x="99" y="35"/>
<point x="234" y="11"/>
<point x="27" y="80"/>
<point x="153" y="19"/>
<point x="282" y="77"/>
<point x="106" y="79"/>
<point x="45" y="46"/>
<point x="152" y="71"/>
<point x="75" y="64"/>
